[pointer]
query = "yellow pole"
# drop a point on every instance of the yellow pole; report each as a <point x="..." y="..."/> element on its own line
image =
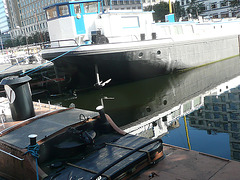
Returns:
<point x="170" y="7"/>
<point x="186" y="129"/>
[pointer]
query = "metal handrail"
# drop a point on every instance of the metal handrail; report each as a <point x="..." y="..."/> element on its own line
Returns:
<point x="124" y="157"/>
<point x="18" y="158"/>
<point x="58" y="41"/>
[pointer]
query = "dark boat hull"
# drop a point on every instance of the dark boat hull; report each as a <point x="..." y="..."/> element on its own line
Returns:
<point x="137" y="60"/>
<point x="83" y="75"/>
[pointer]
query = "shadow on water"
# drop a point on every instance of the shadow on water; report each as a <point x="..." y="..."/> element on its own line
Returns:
<point x="140" y="99"/>
<point x="154" y="100"/>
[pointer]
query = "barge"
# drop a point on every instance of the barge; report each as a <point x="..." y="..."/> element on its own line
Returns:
<point x="66" y="143"/>
<point x="94" y="46"/>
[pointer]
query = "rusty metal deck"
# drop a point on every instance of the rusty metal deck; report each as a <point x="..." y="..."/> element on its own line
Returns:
<point x="48" y="120"/>
<point x="184" y="164"/>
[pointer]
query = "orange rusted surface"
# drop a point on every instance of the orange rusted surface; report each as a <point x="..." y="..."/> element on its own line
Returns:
<point x="180" y="163"/>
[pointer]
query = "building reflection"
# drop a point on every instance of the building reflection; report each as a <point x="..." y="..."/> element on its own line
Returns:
<point x="221" y="113"/>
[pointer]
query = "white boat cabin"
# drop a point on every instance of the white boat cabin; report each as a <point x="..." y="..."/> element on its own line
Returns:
<point x="87" y="22"/>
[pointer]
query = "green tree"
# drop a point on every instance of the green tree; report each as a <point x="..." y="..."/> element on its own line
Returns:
<point x="178" y="10"/>
<point x="23" y="40"/>
<point x="161" y="9"/>
<point x="36" y="37"/>
<point x="8" y="43"/>
<point x="17" y="41"/>
<point x="195" y="8"/>
<point x="30" y="40"/>
<point x="235" y="3"/>
<point x="46" y="36"/>
<point x="235" y="7"/>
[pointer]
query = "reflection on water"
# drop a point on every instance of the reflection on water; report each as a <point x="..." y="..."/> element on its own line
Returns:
<point x="155" y="107"/>
<point x="221" y="114"/>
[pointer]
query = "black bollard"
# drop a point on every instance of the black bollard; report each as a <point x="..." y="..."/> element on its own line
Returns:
<point x="33" y="139"/>
<point x="100" y="109"/>
<point x="19" y="95"/>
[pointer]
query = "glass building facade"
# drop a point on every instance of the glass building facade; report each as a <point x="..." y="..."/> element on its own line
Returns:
<point x="28" y="16"/>
<point x="4" y="20"/>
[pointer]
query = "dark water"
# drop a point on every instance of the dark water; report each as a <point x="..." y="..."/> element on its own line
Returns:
<point x="155" y="107"/>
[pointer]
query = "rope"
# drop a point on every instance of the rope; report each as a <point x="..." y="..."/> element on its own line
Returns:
<point x="33" y="150"/>
<point x="38" y="67"/>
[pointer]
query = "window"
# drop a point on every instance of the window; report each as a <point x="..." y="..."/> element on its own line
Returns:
<point x="224" y="15"/>
<point x="213" y="5"/>
<point x="51" y="13"/>
<point x="236" y="145"/>
<point x="234" y="127"/>
<point x="215" y="107"/>
<point x="233" y="106"/>
<point x="63" y="10"/>
<point x="236" y="136"/>
<point x="77" y="9"/>
<point x="225" y="126"/>
<point x="208" y="115"/>
<point x="91" y="7"/>
<point x="224" y="117"/>
<point x="233" y="116"/>
<point x="223" y="3"/>
<point x="130" y="21"/>
<point x="217" y="124"/>
<point x="216" y="116"/>
<point x="224" y="107"/>
<point x="182" y="2"/>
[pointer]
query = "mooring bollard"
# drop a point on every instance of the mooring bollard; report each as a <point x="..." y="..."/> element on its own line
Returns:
<point x="19" y="96"/>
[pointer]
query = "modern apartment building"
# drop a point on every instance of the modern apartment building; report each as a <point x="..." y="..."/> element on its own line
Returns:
<point x="28" y="16"/>
<point x="4" y="20"/>
<point x="214" y="8"/>
<point x="122" y="4"/>
<point x="4" y="23"/>
<point x="221" y="114"/>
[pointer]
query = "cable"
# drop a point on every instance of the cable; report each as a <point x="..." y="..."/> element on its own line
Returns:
<point x="38" y="67"/>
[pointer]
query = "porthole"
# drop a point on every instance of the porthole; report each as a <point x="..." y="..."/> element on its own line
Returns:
<point x="154" y="124"/>
<point x="158" y="52"/>
<point x="164" y="119"/>
<point x="148" y="109"/>
<point x="165" y="102"/>
<point x="140" y="55"/>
